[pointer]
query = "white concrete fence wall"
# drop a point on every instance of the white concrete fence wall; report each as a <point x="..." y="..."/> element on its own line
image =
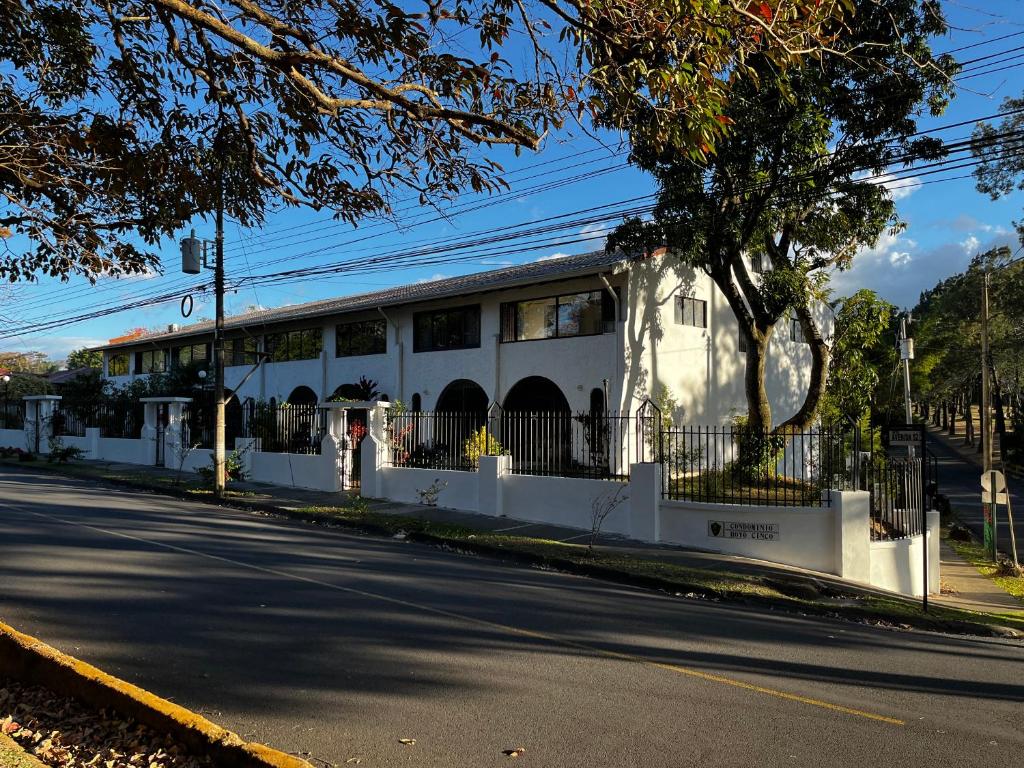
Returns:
<point x="833" y="539"/>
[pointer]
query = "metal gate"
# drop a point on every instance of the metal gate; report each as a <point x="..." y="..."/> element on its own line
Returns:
<point x="162" y="419"/>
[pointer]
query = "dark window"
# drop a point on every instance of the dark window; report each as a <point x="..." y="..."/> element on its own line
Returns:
<point x="117" y="364"/>
<point x="417" y="403"/>
<point x="366" y="337"/>
<point x="192" y="353"/>
<point x="575" y="314"/>
<point x="304" y="344"/>
<point x="151" y="361"/>
<point x="742" y="343"/>
<point x="796" y="332"/>
<point x="691" y="311"/>
<point x="456" y="328"/>
<point x="757" y="263"/>
<point x="242" y="351"/>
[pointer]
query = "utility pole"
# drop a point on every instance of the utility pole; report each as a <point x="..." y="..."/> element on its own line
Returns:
<point x="219" y="479"/>
<point x="906" y="355"/>
<point x="986" y="395"/>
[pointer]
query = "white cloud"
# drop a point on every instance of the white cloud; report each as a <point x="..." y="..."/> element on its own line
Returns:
<point x="970" y="245"/>
<point x="898" y="269"/>
<point x="899" y="189"/>
<point x="433" y="278"/>
<point x="553" y="256"/>
<point x="496" y="263"/>
<point x="900" y="258"/>
<point x="57" y="347"/>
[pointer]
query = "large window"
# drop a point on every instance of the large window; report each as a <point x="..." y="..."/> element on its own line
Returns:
<point x="796" y="331"/>
<point x="366" y="337"/>
<point x="117" y="364"/>
<point x="241" y="351"/>
<point x="151" y="361"/>
<point x="455" y="328"/>
<point x="691" y="311"/>
<point x="191" y="353"/>
<point x="574" y="314"/>
<point x="305" y="344"/>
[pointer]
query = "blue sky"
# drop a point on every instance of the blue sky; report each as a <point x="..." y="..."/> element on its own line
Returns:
<point x="947" y="222"/>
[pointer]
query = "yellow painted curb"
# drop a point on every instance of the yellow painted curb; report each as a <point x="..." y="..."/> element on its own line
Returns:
<point x="32" y="662"/>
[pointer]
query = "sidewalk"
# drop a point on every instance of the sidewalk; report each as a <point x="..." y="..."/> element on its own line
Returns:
<point x="973" y="592"/>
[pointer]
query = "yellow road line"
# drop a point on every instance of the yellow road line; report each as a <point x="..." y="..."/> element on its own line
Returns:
<point x="555" y="639"/>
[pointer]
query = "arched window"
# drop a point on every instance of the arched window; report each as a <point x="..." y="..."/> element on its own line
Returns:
<point x="417" y="402"/>
<point x="302" y="396"/>
<point x="463" y="396"/>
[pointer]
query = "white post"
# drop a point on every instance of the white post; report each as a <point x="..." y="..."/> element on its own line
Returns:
<point x="645" y="501"/>
<point x="149" y="432"/>
<point x="92" y="434"/>
<point x="933" y="525"/>
<point x="371" y="478"/>
<point x="852" y="511"/>
<point x="490" y="478"/>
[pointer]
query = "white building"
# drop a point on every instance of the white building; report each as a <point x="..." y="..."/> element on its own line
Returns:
<point x="559" y="334"/>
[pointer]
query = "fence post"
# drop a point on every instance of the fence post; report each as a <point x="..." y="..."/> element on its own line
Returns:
<point x="852" y="510"/>
<point x="645" y="501"/>
<point x="371" y="462"/>
<point x="92" y="435"/>
<point x="933" y="526"/>
<point x="490" y="478"/>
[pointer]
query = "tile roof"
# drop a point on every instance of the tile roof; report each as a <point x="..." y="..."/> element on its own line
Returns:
<point x="538" y="271"/>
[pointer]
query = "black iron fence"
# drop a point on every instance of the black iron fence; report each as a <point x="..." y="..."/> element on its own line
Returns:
<point x="441" y="440"/>
<point x="12" y="414"/>
<point x="285" y="428"/>
<point x="71" y="422"/>
<point x="743" y="465"/>
<point x="896" y="489"/>
<point x="119" y="419"/>
<point x="589" y="445"/>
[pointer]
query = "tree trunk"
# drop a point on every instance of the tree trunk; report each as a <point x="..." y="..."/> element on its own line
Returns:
<point x="759" y="409"/>
<point x="803" y="418"/>
<point x="969" y="418"/>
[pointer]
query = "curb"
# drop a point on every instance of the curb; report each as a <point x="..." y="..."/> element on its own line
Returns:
<point x="13" y="755"/>
<point x="575" y="568"/>
<point x="32" y="662"/>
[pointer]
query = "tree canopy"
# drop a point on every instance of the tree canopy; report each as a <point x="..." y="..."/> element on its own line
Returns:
<point x="792" y="184"/>
<point x="122" y="117"/>
<point x="1000" y="150"/>
<point x="85" y="358"/>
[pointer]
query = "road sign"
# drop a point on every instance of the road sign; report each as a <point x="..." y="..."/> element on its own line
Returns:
<point x="909" y="435"/>
<point x="993" y="487"/>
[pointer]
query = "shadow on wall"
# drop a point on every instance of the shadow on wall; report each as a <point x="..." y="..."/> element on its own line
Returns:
<point x="703" y="369"/>
<point x="653" y="286"/>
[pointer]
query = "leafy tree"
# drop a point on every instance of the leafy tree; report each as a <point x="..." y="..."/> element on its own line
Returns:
<point x="27" y="362"/>
<point x="786" y="183"/>
<point x="123" y="118"/>
<point x="1001" y="152"/>
<point x="862" y="354"/>
<point x="85" y="358"/>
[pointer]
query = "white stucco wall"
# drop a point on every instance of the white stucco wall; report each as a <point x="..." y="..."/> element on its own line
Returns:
<point x="12" y="438"/>
<point x="122" y="450"/>
<point x="703" y="368"/>
<point x="561" y="501"/>
<point x="461" y="489"/>
<point x="804" y="536"/>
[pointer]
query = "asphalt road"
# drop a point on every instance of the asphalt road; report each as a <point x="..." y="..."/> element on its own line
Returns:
<point x="960" y="480"/>
<point x="336" y="645"/>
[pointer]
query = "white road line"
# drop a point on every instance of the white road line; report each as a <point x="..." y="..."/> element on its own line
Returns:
<point x="514" y="527"/>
